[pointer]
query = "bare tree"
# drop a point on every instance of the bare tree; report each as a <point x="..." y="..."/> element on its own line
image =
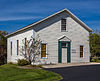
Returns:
<point x="31" y="49"/>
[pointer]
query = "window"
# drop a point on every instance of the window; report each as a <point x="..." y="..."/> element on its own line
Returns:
<point x="64" y="45"/>
<point x="63" y="24"/>
<point x="43" y="50"/>
<point x="81" y="51"/>
<point x="17" y="47"/>
<point x="11" y="48"/>
<point x="25" y="45"/>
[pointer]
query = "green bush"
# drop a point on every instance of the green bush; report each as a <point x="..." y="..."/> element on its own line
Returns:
<point x="39" y="65"/>
<point x="22" y="62"/>
<point x="93" y="60"/>
<point x="97" y="58"/>
<point x="10" y="63"/>
<point x="33" y="65"/>
<point x="98" y="61"/>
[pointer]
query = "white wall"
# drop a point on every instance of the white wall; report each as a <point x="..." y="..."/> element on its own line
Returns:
<point x="20" y="36"/>
<point x="50" y="32"/>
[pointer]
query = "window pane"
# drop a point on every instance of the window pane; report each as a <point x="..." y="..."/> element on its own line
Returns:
<point x="43" y="47"/>
<point x="63" y="21"/>
<point x="43" y="53"/>
<point x="63" y="44"/>
<point x="81" y="48"/>
<point x="81" y="54"/>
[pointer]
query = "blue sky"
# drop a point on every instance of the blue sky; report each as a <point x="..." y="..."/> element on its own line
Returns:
<point x="16" y="14"/>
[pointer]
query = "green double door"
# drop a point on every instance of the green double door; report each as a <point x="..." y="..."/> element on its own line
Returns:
<point x="64" y="49"/>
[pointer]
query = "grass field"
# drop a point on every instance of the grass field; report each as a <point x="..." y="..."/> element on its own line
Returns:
<point x="9" y="72"/>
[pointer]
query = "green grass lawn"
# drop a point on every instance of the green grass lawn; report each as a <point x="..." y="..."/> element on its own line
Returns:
<point x="10" y="72"/>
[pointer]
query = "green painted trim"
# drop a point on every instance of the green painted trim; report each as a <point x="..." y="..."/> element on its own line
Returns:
<point x="68" y="53"/>
<point x="60" y="51"/>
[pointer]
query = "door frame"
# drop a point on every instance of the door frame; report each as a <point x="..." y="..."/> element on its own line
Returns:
<point x="60" y="51"/>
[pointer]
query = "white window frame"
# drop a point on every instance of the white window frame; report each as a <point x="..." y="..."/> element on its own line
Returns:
<point x="46" y="51"/>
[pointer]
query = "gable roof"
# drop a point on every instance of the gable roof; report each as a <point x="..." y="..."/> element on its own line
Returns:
<point x="64" y="10"/>
<point x="64" y="38"/>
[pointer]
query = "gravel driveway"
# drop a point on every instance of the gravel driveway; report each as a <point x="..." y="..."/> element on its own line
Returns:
<point x="78" y="73"/>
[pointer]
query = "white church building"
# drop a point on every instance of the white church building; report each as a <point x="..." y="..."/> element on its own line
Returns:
<point x="65" y="39"/>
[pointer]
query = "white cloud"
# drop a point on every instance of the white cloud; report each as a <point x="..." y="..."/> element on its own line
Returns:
<point x="19" y="18"/>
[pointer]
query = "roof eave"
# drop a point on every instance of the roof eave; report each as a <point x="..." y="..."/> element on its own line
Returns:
<point x="34" y="23"/>
<point x="68" y="12"/>
<point x="76" y="18"/>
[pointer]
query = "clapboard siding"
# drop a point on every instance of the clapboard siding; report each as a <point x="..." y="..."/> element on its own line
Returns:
<point x="19" y="36"/>
<point x="50" y="32"/>
<point x="75" y="32"/>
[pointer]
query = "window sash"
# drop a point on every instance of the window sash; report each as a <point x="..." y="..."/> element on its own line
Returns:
<point x="81" y="51"/>
<point x="43" y="50"/>
<point x="17" y="47"/>
<point x="63" y="24"/>
<point x="25" y="45"/>
<point x="11" y="47"/>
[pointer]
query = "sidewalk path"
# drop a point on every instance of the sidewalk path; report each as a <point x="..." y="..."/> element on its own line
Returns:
<point x="68" y="65"/>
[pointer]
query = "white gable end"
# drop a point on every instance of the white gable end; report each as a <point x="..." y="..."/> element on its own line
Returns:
<point x="64" y="38"/>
